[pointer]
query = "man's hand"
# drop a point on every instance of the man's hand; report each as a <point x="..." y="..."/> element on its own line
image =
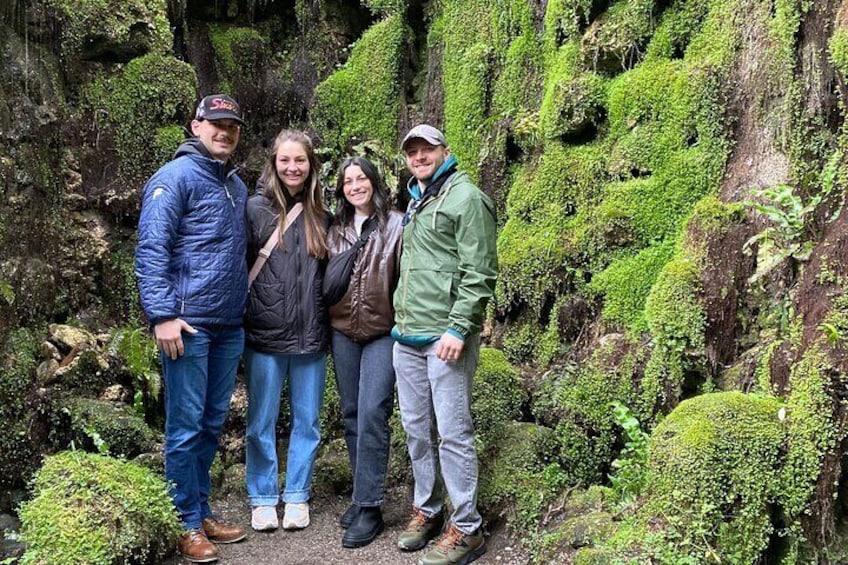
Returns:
<point x="169" y="336"/>
<point x="449" y="348"/>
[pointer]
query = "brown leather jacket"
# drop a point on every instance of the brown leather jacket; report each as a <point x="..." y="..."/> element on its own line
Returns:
<point x="366" y="311"/>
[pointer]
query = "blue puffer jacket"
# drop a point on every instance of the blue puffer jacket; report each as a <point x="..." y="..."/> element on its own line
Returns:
<point x="191" y="256"/>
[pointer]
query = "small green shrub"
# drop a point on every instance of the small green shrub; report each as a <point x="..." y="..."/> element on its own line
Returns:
<point x="630" y="469"/>
<point x="96" y="510"/>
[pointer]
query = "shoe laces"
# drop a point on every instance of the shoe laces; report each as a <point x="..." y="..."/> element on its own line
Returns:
<point x="450" y="539"/>
<point x="417" y="519"/>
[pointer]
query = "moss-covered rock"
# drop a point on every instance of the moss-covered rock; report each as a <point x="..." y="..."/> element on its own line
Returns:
<point x="586" y="428"/>
<point x="151" y="93"/>
<point x="362" y="99"/>
<point x="104" y="426"/>
<point x="517" y="476"/>
<point x="715" y="475"/>
<point x="240" y="63"/>
<point x="93" y="509"/>
<point x="100" y="30"/>
<point x="496" y="397"/>
<point x="332" y="468"/>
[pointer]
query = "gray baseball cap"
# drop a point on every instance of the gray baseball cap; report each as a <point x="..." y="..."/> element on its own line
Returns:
<point x="426" y="132"/>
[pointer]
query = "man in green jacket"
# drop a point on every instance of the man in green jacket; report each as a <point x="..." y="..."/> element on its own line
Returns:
<point x="448" y="271"/>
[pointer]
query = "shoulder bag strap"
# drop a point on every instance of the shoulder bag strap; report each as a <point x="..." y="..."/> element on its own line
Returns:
<point x="265" y="252"/>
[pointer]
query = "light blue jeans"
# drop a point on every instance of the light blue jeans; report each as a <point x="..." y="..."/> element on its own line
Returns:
<point x="198" y="387"/>
<point x="435" y="396"/>
<point x="266" y="376"/>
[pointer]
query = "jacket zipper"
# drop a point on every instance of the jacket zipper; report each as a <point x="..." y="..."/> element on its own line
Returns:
<point x="299" y="303"/>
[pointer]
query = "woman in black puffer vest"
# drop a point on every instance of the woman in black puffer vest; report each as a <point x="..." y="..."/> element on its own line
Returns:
<point x="286" y="330"/>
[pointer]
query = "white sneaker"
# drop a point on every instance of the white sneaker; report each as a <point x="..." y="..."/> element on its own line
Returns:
<point x="264" y="518"/>
<point x="296" y="516"/>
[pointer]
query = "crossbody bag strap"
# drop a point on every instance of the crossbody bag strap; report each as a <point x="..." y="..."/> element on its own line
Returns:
<point x="265" y="252"/>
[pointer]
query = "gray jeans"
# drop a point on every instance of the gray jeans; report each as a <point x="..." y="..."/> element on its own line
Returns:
<point x="435" y="396"/>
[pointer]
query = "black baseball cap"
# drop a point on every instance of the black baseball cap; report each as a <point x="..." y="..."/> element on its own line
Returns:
<point x="219" y="107"/>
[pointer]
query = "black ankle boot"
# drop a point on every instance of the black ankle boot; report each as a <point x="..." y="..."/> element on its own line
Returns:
<point x="365" y="527"/>
<point x="349" y="516"/>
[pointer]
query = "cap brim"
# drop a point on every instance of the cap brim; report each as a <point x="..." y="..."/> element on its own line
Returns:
<point x="220" y="116"/>
<point x="430" y="140"/>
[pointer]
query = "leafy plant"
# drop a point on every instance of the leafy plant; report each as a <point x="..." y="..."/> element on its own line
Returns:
<point x="785" y="237"/>
<point x="138" y="351"/>
<point x="631" y="468"/>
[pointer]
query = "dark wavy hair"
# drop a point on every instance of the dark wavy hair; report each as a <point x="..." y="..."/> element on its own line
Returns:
<point x="380" y="197"/>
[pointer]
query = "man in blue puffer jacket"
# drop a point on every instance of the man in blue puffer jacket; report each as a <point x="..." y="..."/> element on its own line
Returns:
<point x="192" y="278"/>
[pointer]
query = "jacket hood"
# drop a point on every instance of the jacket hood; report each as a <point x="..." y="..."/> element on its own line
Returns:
<point x="194" y="146"/>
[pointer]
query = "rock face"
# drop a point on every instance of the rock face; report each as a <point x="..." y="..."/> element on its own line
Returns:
<point x="624" y="143"/>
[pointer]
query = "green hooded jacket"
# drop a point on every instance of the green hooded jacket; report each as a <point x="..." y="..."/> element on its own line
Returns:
<point x="448" y="266"/>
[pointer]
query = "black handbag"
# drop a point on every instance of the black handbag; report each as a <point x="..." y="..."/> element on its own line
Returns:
<point x="340" y="268"/>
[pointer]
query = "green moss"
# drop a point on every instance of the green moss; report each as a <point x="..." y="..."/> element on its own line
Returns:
<point x="812" y="430"/>
<point x="239" y="57"/>
<point x="678" y="25"/>
<point x="385" y="7"/>
<point x="497" y="395"/>
<point x="838" y="49"/>
<point x="715" y="468"/>
<point x="620" y="35"/>
<point x="18" y="410"/>
<point x="151" y="93"/>
<point x="564" y="20"/>
<point x="362" y="99"/>
<point x="516" y="476"/>
<point x="627" y="282"/>
<point x="122" y="432"/>
<point x="139" y="25"/>
<point x="98" y="510"/>
<point x="587" y="430"/>
<point x="531" y="246"/>
<point x="571" y="106"/>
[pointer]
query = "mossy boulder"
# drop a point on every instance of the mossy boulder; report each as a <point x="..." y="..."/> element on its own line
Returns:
<point x="518" y="476"/>
<point x="715" y="463"/>
<point x="715" y="480"/>
<point x="332" y="468"/>
<point x="153" y="93"/>
<point x="362" y="99"/>
<point x="101" y="425"/>
<point x="97" y="30"/>
<point x="496" y="397"/>
<point x="94" y="509"/>
<point x="585" y="424"/>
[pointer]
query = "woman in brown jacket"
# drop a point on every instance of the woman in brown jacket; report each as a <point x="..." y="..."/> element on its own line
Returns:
<point x="361" y="345"/>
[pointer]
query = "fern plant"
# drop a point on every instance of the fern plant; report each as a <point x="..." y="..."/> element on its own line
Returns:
<point x="630" y="469"/>
<point x="138" y="351"/>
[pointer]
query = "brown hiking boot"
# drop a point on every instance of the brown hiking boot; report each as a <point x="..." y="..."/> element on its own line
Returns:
<point x="195" y="547"/>
<point x="420" y="530"/>
<point x="455" y="547"/>
<point x="222" y="532"/>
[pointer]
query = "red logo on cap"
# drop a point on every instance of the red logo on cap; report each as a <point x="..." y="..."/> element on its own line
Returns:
<point x="221" y="104"/>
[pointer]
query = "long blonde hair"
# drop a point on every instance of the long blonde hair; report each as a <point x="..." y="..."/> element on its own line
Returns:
<point x="314" y="209"/>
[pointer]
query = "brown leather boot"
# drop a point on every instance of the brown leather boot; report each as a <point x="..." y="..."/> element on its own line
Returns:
<point x="222" y="532"/>
<point x="196" y="547"/>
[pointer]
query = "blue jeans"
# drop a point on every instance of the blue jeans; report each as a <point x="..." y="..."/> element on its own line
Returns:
<point x="435" y="396"/>
<point x="366" y="381"/>
<point x="266" y="375"/>
<point x="198" y="387"/>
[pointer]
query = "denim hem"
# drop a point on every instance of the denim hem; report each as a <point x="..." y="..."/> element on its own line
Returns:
<point x="187" y="527"/>
<point x="464" y="528"/>
<point x="264" y="500"/>
<point x="370" y="503"/>
<point x="296" y="497"/>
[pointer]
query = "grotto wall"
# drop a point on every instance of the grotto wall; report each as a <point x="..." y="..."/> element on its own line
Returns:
<point x="669" y="177"/>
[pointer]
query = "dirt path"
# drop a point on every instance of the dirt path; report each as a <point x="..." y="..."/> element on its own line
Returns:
<point x="320" y="543"/>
